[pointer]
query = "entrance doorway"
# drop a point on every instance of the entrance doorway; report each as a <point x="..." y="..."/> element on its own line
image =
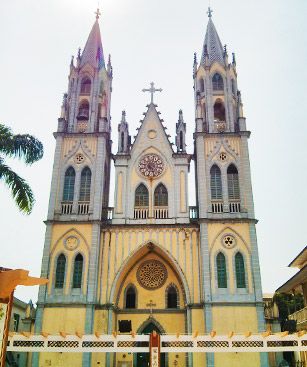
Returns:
<point x="142" y="359"/>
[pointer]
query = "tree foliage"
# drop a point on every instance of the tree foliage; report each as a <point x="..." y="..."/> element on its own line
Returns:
<point x="288" y="303"/>
<point x="30" y="150"/>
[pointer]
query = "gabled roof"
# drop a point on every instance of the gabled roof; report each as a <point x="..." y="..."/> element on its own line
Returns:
<point x="152" y="109"/>
<point x="212" y="45"/>
<point x="300" y="259"/>
<point x="93" y="51"/>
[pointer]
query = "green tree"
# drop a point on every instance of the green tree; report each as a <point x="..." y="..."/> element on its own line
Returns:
<point x="25" y="147"/>
<point x="288" y="303"/>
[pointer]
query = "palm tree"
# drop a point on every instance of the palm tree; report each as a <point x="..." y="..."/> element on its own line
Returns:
<point x="30" y="150"/>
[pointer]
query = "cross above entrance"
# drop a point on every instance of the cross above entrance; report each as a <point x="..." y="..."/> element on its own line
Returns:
<point x="152" y="90"/>
<point x="150" y="305"/>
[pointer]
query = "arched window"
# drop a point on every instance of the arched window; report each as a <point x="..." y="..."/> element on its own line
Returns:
<point x="172" y="297"/>
<point x="216" y="183"/>
<point x="130" y="298"/>
<point x="219" y="110"/>
<point x="201" y="85"/>
<point x="233" y="183"/>
<point x="122" y="141"/>
<point x="240" y="270"/>
<point x="217" y="82"/>
<point x="84" y="109"/>
<point x="69" y="184"/>
<point x="60" y="272"/>
<point x="181" y="140"/>
<point x="161" y="196"/>
<point x="221" y="271"/>
<point x="141" y="196"/>
<point x="85" y="86"/>
<point x="85" y="184"/>
<point x="78" y="268"/>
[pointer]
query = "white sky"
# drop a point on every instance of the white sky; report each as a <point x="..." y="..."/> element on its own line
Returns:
<point x="155" y="40"/>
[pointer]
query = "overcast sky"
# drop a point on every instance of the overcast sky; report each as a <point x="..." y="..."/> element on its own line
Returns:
<point x="155" y="41"/>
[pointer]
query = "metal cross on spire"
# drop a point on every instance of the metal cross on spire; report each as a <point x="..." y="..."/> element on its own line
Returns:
<point x="209" y="12"/>
<point x="97" y="12"/>
<point x="152" y="90"/>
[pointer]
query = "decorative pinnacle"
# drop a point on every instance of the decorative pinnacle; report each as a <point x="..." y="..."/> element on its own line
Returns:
<point x="209" y="12"/>
<point x="123" y="116"/>
<point x="195" y="58"/>
<point x="97" y="12"/>
<point x="225" y="50"/>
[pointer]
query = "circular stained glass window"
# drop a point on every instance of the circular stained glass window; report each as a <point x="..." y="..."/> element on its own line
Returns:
<point x="151" y="274"/>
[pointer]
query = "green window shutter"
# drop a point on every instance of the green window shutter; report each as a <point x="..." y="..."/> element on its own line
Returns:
<point x="221" y="271"/>
<point x="85" y="185"/>
<point x="233" y="183"/>
<point x="69" y="184"/>
<point x="216" y="183"/>
<point x="60" y="271"/>
<point x="240" y="270"/>
<point x="78" y="269"/>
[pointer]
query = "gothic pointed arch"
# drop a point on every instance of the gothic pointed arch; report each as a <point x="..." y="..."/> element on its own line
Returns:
<point x="151" y="320"/>
<point x="69" y="184"/>
<point x="77" y="271"/>
<point x="217" y="82"/>
<point x="85" y="85"/>
<point x="60" y="271"/>
<point x="216" y="183"/>
<point x="219" y="110"/>
<point x="233" y="182"/>
<point x="135" y="257"/>
<point x="172" y="296"/>
<point x="161" y="195"/>
<point x="85" y="184"/>
<point x="130" y="296"/>
<point x="141" y="198"/>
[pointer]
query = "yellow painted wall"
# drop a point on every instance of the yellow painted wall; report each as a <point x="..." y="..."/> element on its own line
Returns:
<point x="69" y="320"/>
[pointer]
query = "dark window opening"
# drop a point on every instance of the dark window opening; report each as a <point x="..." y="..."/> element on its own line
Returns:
<point x="130" y="298"/>
<point x="172" y="298"/>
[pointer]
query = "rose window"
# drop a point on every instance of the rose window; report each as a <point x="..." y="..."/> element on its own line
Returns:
<point x="151" y="166"/>
<point x="151" y="274"/>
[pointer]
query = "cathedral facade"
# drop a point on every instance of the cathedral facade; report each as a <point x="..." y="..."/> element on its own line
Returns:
<point x="152" y="262"/>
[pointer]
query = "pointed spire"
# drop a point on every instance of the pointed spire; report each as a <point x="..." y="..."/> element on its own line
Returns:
<point x="212" y="45"/>
<point x="93" y="51"/>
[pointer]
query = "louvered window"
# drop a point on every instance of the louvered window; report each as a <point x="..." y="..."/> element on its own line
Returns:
<point x="78" y="269"/>
<point x="60" y="271"/>
<point x="217" y="82"/>
<point x="216" y="183"/>
<point x="161" y="196"/>
<point x="233" y="183"/>
<point x="84" y="110"/>
<point x="240" y="270"/>
<point x="85" y="185"/>
<point x="219" y="111"/>
<point x="69" y="184"/>
<point x="172" y="297"/>
<point x="86" y="86"/>
<point x="141" y="196"/>
<point x="131" y="298"/>
<point x="221" y="271"/>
